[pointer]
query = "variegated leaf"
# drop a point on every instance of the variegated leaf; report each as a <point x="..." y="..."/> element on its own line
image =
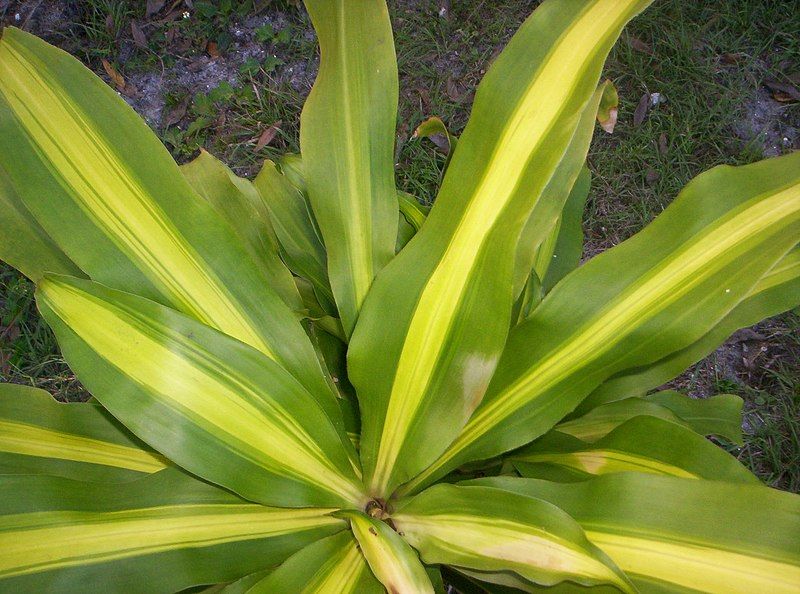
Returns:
<point x="78" y="440"/>
<point x="655" y="294"/>
<point x="160" y="534"/>
<point x="210" y="403"/>
<point x="450" y="290"/>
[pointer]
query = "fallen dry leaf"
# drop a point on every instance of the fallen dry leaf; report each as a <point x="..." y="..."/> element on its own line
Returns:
<point x="452" y="90"/>
<point x="9" y="333"/>
<point x="153" y="6"/>
<point x="176" y="113"/>
<point x="267" y="136"/>
<point x="732" y="58"/>
<point x="783" y="92"/>
<point x="213" y="49"/>
<point x="745" y="334"/>
<point x="139" y="37"/>
<point x="663" y="147"/>
<point x="641" y="110"/>
<point x="425" y="99"/>
<point x="639" y="45"/>
<point x="610" y="122"/>
<point x="114" y="75"/>
<point x="750" y="353"/>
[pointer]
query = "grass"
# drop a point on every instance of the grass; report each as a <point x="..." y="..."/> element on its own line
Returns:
<point x="28" y="350"/>
<point x="708" y="59"/>
<point x="772" y="446"/>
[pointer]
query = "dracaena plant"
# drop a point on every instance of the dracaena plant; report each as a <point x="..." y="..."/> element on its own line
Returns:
<point x="309" y="383"/>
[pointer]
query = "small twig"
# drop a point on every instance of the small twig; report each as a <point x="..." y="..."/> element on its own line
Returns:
<point x="30" y="14"/>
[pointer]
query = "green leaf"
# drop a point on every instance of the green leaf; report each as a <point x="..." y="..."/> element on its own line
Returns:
<point x="435" y="127"/>
<point x="294" y="226"/>
<point x="291" y="166"/>
<point x="212" y="404"/>
<point x="412" y="217"/>
<point x="123" y="212"/>
<point x="683" y="535"/>
<point x="568" y="244"/>
<point x="607" y="112"/>
<point x="468" y="582"/>
<point x="393" y="562"/>
<point x="493" y="531"/>
<point x="159" y="534"/>
<point x="413" y="212"/>
<point x="405" y="233"/>
<point x="333" y="565"/>
<point x="23" y="243"/>
<point x="777" y="291"/>
<point x="561" y="250"/>
<point x="540" y="233"/>
<point x="641" y="444"/>
<point x="238" y="202"/>
<point x="79" y="440"/>
<point x="449" y="290"/>
<point x="347" y="132"/>
<point x="718" y="415"/>
<point x="650" y="296"/>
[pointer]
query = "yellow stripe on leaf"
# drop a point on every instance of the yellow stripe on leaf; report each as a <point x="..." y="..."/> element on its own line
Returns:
<point x="170" y="368"/>
<point x="112" y="196"/>
<point x="698" y="568"/>
<point x="440" y="347"/>
<point x="607" y="461"/>
<point x="30" y="440"/>
<point x="491" y="530"/>
<point x="43" y="541"/>
<point x="708" y="254"/>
